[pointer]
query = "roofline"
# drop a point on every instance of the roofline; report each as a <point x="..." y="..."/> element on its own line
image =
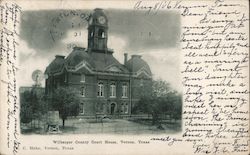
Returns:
<point x="84" y="64"/>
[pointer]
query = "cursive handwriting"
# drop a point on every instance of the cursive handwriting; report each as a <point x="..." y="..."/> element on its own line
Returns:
<point x="215" y="50"/>
<point x="215" y="88"/>
<point x="10" y="15"/>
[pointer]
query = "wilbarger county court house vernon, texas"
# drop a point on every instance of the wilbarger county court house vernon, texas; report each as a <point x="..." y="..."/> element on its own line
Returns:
<point x="105" y="85"/>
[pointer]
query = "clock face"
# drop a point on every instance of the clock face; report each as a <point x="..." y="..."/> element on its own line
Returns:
<point x="101" y="20"/>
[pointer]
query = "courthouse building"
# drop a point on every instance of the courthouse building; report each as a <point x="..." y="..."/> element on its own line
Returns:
<point x="105" y="85"/>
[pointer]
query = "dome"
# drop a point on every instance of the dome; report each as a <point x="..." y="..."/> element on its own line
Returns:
<point x="76" y="56"/>
<point x="136" y="63"/>
<point x="56" y="65"/>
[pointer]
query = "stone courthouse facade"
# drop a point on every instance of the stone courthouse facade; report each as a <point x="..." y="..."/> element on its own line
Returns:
<point x="105" y="86"/>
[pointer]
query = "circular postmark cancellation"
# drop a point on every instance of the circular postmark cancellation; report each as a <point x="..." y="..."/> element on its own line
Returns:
<point x="68" y="20"/>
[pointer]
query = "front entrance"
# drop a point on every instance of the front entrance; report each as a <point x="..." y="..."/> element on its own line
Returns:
<point x="81" y="109"/>
<point x="112" y="108"/>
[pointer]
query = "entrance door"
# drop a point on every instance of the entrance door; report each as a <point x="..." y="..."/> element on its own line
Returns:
<point x="81" y="110"/>
<point x="112" y="108"/>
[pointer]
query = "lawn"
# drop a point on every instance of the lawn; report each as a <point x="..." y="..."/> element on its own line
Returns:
<point x="107" y="126"/>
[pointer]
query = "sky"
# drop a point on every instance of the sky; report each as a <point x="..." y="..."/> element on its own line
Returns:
<point x="46" y="33"/>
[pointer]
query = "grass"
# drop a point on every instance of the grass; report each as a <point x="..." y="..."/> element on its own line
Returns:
<point x="108" y="126"/>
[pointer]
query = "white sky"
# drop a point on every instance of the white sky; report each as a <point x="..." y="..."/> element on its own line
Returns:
<point x="164" y="63"/>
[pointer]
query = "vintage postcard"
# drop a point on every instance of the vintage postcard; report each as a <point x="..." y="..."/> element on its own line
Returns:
<point x="124" y="77"/>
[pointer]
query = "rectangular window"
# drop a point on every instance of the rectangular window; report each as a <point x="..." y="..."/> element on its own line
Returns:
<point x="83" y="91"/>
<point x="126" y="108"/>
<point x="113" y="90"/>
<point x="124" y="91"/>
<point x="100" y="91"/>
<point x="82" y="78"/>
<point x="141" y="83"/>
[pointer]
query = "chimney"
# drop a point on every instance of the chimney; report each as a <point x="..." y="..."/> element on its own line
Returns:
<point x="125" y="58"/>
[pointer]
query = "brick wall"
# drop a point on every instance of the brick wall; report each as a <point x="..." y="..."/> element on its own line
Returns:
<point x="94" y="104"/>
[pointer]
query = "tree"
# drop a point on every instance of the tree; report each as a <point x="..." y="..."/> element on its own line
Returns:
<point x="26" y="108"/>
<point x="66" y="101"/>
<point x="162" y="100"/>
<point x="175" y="100"/>
<point x="32" y="104"/>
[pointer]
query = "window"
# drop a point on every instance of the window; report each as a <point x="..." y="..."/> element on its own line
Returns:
<point x="126" y="108"/>
<point x="124" y="91"/>
<point x="81" y="110"/>
<point x="141" y="83"/>
<point x="113" y="90"/>
<point x="122" y="108"/>
<point x="83" y="91"/>
<point x="82" y="78"/>
<point x="101" y="33"/>
<point x="91" y="33"/>
<point x="100" y="91"/>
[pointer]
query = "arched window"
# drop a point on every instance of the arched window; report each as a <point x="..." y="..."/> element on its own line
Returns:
<point x="91" y="33"/>
<point x="101" y="33"/>
<point x="81" y="110"/>
<point x="100" y="91"/>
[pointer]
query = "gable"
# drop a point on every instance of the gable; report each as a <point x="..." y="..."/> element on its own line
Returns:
<point x="84" y="70"/>
<point x="142" y="73"/>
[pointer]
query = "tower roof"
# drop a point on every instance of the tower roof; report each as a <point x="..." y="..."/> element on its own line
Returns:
<point x="97" y="13"/>
<point x="136" y="63"/>
<point x="97" y="58"/>
<point x="56" y="65"/>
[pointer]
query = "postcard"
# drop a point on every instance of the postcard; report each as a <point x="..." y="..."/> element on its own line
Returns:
<point x="124" y="77"/>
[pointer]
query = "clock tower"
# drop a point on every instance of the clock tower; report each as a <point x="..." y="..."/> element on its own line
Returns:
<point x="97" y="31"/>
